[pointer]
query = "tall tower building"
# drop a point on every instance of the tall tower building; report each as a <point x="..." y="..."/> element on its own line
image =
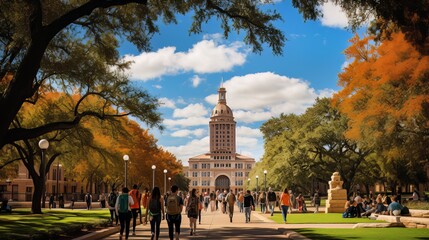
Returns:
<point x="221" y="168"/>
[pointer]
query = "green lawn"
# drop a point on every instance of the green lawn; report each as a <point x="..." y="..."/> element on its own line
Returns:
<point x="365" y="233"/>
<point x="53" y="224"/>
<point x="318" y="218"/>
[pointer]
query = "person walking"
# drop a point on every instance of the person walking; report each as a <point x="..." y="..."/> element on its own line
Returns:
<point x="200" y="207"/>
<point x="230" y="199"/>
<point x="123" y="210"/>
<point x="174" y="210"/>
<point x="284" y="204"/>
<point x="192" y="210"/>
<point x="248" y="205"/>
<point x="206" y="201"/>
<point x="135" y="208"/>
<point x="316" y="201"/>
<point x="213" y="202"/>
<point x="240" y="201"/>
<point x="262" y="202"/>
<point x="271" y="200"/>
<point x="88" y="200"/>
<point x="102" y="200"/>
<point x="112" y="203"/>
<point x="154" y="211"/>
<point x="51" y="201"/>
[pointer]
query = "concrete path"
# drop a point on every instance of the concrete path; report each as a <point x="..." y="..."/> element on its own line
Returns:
<point x="215" y="225"/>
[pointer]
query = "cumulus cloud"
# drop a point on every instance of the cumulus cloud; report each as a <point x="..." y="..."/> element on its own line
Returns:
<point x="260" y="96"/>
<point x="248" y="132"/>
<point x="186" y="122"/>
<point x="333" y="15"/>
<point x="186" y="133"/>
<point x="167" y="103"/>
<point x="192" y="110"/>
<point x="157" y="86"/>
<point x="206" y="56"/>
<point x="190" y="149"/>
<point x="196" y="80"/>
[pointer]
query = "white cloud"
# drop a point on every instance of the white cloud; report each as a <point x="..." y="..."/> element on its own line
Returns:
<point x="192" y="110"/>
<point x="333" y="15"/>
<point x="157" y="86"/>
<point x="196" y="80"/>
<point x="206" y="56"/>
<point x="190" y="149"/>
<point x="260" y="96"/>
<point x="167" y="103"/>
<point x="186" y="122"/>
<point x="186" y="133"/>
<point x="248" y="132"/>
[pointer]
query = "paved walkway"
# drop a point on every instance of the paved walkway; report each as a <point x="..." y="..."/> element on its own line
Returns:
<point x="215" y="225"/>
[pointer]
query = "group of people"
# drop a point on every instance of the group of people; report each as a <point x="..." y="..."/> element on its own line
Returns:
<point x="359" y="206"/>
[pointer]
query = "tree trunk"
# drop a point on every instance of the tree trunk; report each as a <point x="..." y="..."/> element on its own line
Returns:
<point x="36" y="204"/>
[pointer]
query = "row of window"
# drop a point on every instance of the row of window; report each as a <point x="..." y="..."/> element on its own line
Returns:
<point x="223" y="126"/>
<point x="221" y="165"/>
<point x="207" y="183"/>
<point x="207" y="174"/>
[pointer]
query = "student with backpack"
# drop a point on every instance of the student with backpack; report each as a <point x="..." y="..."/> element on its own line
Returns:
<point x="111" y="201"/>
<point x="88" y="200"/>
<point x="156" y="207"/>
<point x="123" y="210"/>
<point x="230" y="199"/>
<point x="192" y="209"/>
<point x="174" y="210"/>
<point x="135" y="208"/>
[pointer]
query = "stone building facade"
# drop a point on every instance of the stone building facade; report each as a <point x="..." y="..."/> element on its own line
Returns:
<point x="221" y="168"/>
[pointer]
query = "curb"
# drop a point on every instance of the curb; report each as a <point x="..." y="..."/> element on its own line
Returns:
<point x="289" y="234"/>
<point x="105" y="232"/>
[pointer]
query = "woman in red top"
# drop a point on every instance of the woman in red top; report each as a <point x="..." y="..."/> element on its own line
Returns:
<point x="284" y="203"/>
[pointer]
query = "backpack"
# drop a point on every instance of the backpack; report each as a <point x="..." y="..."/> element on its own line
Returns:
<point x="154" y="207"/>
<point x="231" y="199"/>
<point x="193" y="204"/>
<point x="112" y="200"/>
<point x="123" y="203"/>
<point x="405" y="211"/>
<point x="173" y="207"/>
<point x="136" y="198"/>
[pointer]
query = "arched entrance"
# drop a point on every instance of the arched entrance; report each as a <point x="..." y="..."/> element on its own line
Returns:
<point x="222" y="183"/>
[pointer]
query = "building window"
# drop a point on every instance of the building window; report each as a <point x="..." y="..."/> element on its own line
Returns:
<point x="195" y="166"/>
<point x="239" y="183"/>
<point x="194" y="183"/>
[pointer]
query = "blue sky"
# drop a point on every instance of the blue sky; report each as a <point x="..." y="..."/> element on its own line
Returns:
<point x="185" y="71"/>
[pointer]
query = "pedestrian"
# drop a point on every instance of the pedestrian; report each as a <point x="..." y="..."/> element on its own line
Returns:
<point x="217" y="200"/>
<point x="51" y="201"/>
<point x="200" y="207"/>
<point x="206" y="201"/>
<point x="135" y="194"/>
<point x="123" y="210"/>
<point x="102" y="200"/>
<point x="230" y="199"/>
<point x="192" y="210"/>
<point x="174" y="210"/>
<point x="284" y="204"/>
<point x="154" y="211"/>
<point x="248" y="205"/>
<point x="240" y="201"/>
<point x="72" y="203"/>
<point x="262" y="202"/>
<point x="292" y="201"/>
<point x="316" y="201"/>
<point x="271" y="200"/>
<point x="213" y="202"/>
<point x="223" y="198"/>
<point x="300" y="202"/>
<point x="111" y="201"/>
<point x="88" y="200"/>
<point x="61" y="201"/>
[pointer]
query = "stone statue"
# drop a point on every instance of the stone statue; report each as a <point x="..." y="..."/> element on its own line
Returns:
<point x="337" y="196"/>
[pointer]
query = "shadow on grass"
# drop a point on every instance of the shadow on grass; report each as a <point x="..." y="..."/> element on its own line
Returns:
<point x="309" y="233"/>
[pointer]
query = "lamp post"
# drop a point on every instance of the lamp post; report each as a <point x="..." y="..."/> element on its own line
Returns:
<point x="169" y="182"/>
<point x="43" y="145"/>
<point x="153" y="176"/>
<point x="57" y="177"/>
<point x="257" y="178"/>
<point x="126" y="158"/>
<point x="165" y="182"/>
<point x="265" y="180"/>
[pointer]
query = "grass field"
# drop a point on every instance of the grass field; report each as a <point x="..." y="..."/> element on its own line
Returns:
<point x="365" y="233"/>
<point x="300" y="218"/>
<point x="53" y="224"/>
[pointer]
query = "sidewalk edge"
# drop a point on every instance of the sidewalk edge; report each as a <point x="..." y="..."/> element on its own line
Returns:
<point x="99" y="234"/>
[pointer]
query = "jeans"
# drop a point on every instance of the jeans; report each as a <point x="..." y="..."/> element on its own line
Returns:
<point x="154" y="225"/>
<point x="284" y="212"/>
<point x="113" y="214"/>
<point x="124" y="219"/>
<point x="247" y="211"/>
<point x="135" y="213"/>
<point x="272" y="205"/>
<point x="173" y="221"/>
<point x="263" y="208"/>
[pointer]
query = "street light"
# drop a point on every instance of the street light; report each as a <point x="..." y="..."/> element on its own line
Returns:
<point x="58" y="176"/>
<point x="126" y="158"/>
<point x="257" y="178"/>
<point x="169" y="182"/>
<point x="165" y="182"/>
<point x="265" y="180"/>
<point x="43" y="145"/>
<point x="153" y="176"/>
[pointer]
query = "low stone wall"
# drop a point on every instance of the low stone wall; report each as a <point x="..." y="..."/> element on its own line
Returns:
<point x="407" y="221"/>
<point x="77" y="205"/>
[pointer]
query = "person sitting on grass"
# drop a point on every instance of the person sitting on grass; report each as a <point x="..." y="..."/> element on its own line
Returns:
<point x="5" y="207"/>
<point x="351" y="211"/>
<point x="394" y="208"/>
<point x="378" y="209"/>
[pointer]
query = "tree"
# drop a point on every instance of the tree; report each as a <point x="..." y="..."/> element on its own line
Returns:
<point x="72" y="45"/>
<point x="385" y="95"/>
<point x="408" y="16"/>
